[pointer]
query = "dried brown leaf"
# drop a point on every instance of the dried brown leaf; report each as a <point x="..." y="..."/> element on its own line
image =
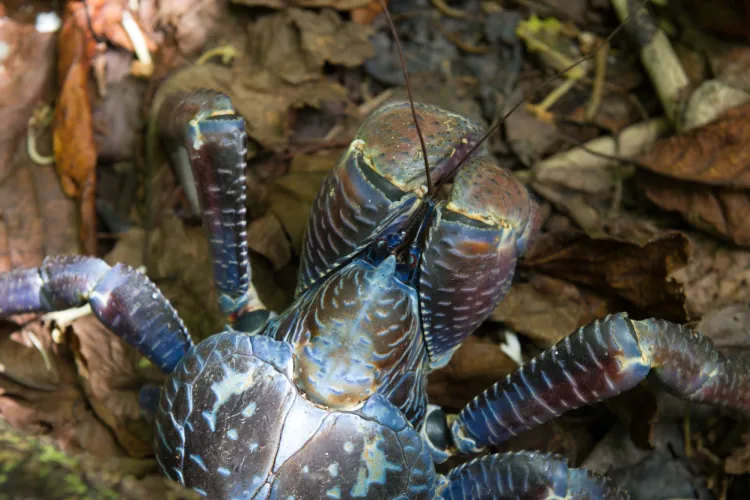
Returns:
<point x="106" y="369"/>
<point x="266" y="236"/>
<point x="26" y="357"/>
<point x="476" y="365"/>
<point x="720" y="211"/>
<point x="282" y="4"/>
<point x="738" y="462"/>
<point x="75" y="151"/>
<point x="715" y="154"/>
<point x="547" y="309"/>
<point x="716" y="276"/>
<point x="27" y="73"/>
<point x="292" y="196"/>
<point x="636" y="271"/>
<point x="327" y="38"/>
<point x="62" y="414"/>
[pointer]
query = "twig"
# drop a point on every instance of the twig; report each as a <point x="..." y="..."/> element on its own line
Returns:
<point x="599" y="78"/>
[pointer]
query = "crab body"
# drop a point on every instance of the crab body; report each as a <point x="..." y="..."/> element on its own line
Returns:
<point x="327" y="399"/>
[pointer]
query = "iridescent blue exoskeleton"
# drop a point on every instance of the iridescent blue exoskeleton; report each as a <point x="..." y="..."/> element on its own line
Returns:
<point x="327" y="399"/>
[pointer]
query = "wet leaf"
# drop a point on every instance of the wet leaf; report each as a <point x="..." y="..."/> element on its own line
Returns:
<point x="715" y="154"/>
<point x="720" y="211"/>
<point x="636" y="271"/>
<point x="547" y="309"/>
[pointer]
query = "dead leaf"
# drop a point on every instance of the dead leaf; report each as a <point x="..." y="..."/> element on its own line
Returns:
<point x="191" y="22"/>
<point x="327" y="38"/>
<point x="75" y="151"/>
<point x="266" y="237"/>
<point x="282" y="4"/>
<point x="26" y="357"/>
<point x="716" y="276"/>
<point x="106" y="366"/>
<point x="547" y="309"/>
<point x="717" y="210"/>
<point x="27" y="74"/>
<point x="62" y="414"/>
<point x="475" y="366"/>
<point x="728" y="327"/>
<point x="292" y="195"/>
<point x="636" y="271"/>
<point x="738" y="462"/>
<point x="715" y="154"/>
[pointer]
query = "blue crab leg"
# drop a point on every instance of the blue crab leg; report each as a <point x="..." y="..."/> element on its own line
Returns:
<point x="527" y="475"/>
<point x="124" y="300"/>
<point x="207" y="141"/>
<point x="599" y="361"/>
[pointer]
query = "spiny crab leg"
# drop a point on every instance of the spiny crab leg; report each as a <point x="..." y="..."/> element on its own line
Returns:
<point x="527" y="475"/>
<point x="124" y="300"/>
<point x="207" y="143"/>
<point x="599" y="361"/>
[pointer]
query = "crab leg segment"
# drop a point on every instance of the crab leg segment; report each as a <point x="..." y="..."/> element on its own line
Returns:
<point x="124" y="300"/>
<point x="527" y="475"/>
<point x="599" y="361"/>
<point x="207" y="141"/>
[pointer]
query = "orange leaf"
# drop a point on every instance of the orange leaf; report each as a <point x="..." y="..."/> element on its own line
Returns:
<point x="73" y="133"/>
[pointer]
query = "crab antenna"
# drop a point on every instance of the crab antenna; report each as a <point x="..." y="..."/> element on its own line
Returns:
<point x="408" y="90"/>
<point x="546" y="82"/>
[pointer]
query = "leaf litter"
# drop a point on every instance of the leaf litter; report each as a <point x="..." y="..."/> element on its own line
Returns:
<point x="648" y="223"/>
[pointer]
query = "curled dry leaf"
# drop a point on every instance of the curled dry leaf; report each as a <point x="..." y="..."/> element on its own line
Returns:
<point x="715" y="154"/>
<point x="191" y="22"/>
<point x="717" y="275"/>
<point x="717" y="210"/>
<point x="75" y="151"/>
<point x="26" y="357"/>
<point x="548" y="309"/>
<point x="636" y="271"/>
<point x="738" y="462"/>
<point x="106" y="369"/>
<point x="266" y="236"/>
<point x="62" y="414"/>
<point x="475" y="366"/>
